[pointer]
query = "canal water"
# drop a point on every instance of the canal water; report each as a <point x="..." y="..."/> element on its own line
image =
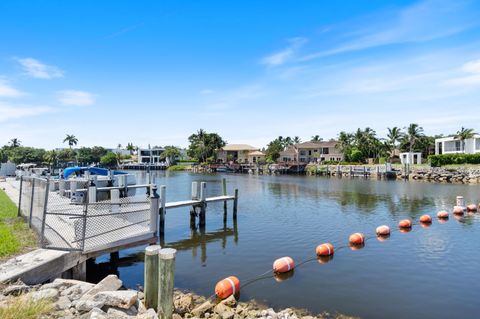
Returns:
<point x="430" y="272"/>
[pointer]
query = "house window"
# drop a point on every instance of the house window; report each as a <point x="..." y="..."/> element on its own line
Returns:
<point x="325" y="150"/>
<point x="302" y="160"/>
<point x="477" y="144"/>
<point x="309" y="152"/>
<point x="302" y="153"/>
<point x="339" y="159"/>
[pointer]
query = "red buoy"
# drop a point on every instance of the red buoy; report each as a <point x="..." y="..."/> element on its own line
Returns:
<point x="425" y="219"/>
<point x="324" y="249"/>
<point x="405" y="223"/>
<point x="472" y="208"/>
<point x="357" y="239"/>
<point x="442" y="214"/>
<point x="227" y="287"/>
<point x="283" y="264"/>
<point x="383" y="230"/>
<point x="458" y="210"/>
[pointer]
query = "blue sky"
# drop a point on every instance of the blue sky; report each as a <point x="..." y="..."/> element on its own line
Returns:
<point x="153" y="72"/>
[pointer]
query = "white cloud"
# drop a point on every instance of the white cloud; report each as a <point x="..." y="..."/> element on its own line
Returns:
<point x="423" y="21"/>
<point x="12" y="112"/>
<point x="472" y="68"/>
<point x="7" y="90"/>
<point x="76" y="98"/>
<point x="39" y="70"/>
<point x="286" y="54"/>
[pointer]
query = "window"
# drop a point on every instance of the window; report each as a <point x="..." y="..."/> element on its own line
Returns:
<point x="339" y="159"/>
<point x="325" y="150"/>
<point x="477" y="144"/>
<point x="302" y="153"/>
<point x="310" y="152"/>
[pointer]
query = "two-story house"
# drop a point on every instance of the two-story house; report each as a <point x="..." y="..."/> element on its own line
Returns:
<point x="307" y="152"/>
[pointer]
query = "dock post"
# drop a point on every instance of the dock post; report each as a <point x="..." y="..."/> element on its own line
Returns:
<point x="194" y="190"/>
<point x="31" y="203"/>
<point x="224" y="186"/>
<point x="19" y="212"/>
<point x="61" y="187"/>
<point x="79" y="272"/>
<point x="115" y="200"/>
<point x="163" y="192"/>
<point x="235" y="202"/>
<point x="203" y="206"/>
<point x="166" y="260"/>
<point x="151" y="276"/>
<point x="92" y="194"/>
<point x="154" y="207"/>
<point x="351" y="171"/>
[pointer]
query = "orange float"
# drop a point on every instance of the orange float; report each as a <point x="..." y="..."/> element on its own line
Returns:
<point x="472" y="208"/>
<point x="382" y="237"/>
<point x="458" y="210"/>
<point x="227" y="287"/>
<point x="283" y="264"/>
<point x="442" y="214"/>
<point x="357" y="239"/>
<point x="279" y="277"/>
<point x="383" y="230"/>
<point x="324" y="249"/>
<point x="426" y="219"/>
<point x="324" y="259"/>
<point x="405" y="223"/>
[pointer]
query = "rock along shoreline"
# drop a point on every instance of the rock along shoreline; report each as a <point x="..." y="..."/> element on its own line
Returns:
<point x="108" y="299"/>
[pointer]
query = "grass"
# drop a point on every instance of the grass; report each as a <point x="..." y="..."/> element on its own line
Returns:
<point x="15" y="236"/>
<point x="178" y="167"/>
<point x="24" y="308"/>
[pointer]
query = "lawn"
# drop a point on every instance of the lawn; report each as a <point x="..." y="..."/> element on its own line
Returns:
<point x="15" y="236"/>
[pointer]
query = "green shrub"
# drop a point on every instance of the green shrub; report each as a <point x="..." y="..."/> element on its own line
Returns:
<point x="447" y="159"/>
<point x="178" y="167"/>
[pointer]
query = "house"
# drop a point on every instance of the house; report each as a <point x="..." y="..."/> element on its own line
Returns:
<point x="307" y="152"/>
<point x="452" y="145"/>
<point x="240" y="153"/>
<point x="147" y="155"/>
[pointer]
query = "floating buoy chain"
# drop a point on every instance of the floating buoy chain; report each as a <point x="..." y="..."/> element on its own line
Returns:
<point x="231" y="285"/>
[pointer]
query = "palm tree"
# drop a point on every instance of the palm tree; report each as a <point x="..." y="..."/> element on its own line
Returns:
<point x="394" y="135"/>
<point x="130" y="148"/>
<point x="15" y="142"/>
<point x="316" y="138"/>
<point x="71" y="140"/>
<point x="51" y="157"/>
<point x="414" y="132"/>
<point x="464" y="134"/>
<point x="297" y="140"/>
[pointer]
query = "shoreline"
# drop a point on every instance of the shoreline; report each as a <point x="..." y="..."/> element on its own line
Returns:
<point x="71" y="299"/>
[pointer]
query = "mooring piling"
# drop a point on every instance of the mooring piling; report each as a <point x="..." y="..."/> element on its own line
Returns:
<point x="166" y="260"/>
<point x="151" y="276"/>
<point x="224" y="186"/>
<point x="163" y="193"/>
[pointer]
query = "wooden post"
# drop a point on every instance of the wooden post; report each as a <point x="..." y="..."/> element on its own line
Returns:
<point x="163" y="193"/>
<point x="224" y="186"/>
<point x="151" y="276"/>
<point x="154" y="207"/>
<point x="166" y="260"/>
<point x="203" y="206"/>
<point x="235" y="203"/>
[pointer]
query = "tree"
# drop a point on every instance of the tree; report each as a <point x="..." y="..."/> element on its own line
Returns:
<point x="22" y="154"/>
<point x="203" y="145"/>
<point x="109" y="160"/>
<point x="15" y="142"/>
<point x="130" y="148"/>
<point x="297" y="140"/>
<point x="50" y="158"/>
<point x="464" y="134"/>
<point x="71" y="140"/>
<point x="394" y="135"/>
<point x="66" y="155"/>
<point x="413" y="133"/>
<point x="170" y="154"/>
<point x="274" y="148"/>
<point x="316" y="138"/>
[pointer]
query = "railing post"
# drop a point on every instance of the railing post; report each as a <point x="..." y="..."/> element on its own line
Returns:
<point x="203" y="207"/>
<point x="224" y="187"/>
<point x="151" y="276"/>
<point x="61" y="187"/>
<point x="194" y="190"/>
<point x="19" y="213"/>
<point x="154" y="207"/>
<point x="92" y="194"/>
<point x="163" y="194"/>
<point x="31" y="203"/>
<point x="45" y="207"/>
<point x="166" y="260"/>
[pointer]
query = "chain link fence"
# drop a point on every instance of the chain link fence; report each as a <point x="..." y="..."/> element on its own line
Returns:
<point x="67" y="220"/>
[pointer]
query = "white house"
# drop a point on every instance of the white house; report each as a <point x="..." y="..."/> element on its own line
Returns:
<point x="152" y="156"/>
<point x="451" y="145"/>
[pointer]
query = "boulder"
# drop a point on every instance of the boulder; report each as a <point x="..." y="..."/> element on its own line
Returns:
<point x="62" y="303"/>
<point x="76" y="291"/>
<point x="50" y="293"/>
<point x="122" y="299"/>
<point x="224" y="311"/>
<point x="87" y="305"/>
<point x="118" y="314"/>
<point x="204" y="307"/>
<point x="151" y="314"/>
<point x="109" y="283"/>
<point x="230" y="301"/>
<point x="183" y="304"/>
<point x="16" y="290"/>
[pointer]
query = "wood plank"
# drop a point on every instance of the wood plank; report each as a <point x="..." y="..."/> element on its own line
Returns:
<point x="182" y="203"/>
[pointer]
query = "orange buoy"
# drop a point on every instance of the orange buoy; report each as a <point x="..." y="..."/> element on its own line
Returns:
<point x="405" y="223"/>
<point x="279" y="277"/>
<point x="425" y="219"/>
<point x="472" y="208"/>
<point x="356" y="239"/>
<point x="442" y="214"/>
<point x="283" y="264"/>
<point x="383" y="230"/>
<point x="357" y="247"/>
<point x="382" y="237"/>
<point x="324" y="259"/>
<point x="458" y="210"/>
<point x="324" y="249"/>
<point x="227" y="287"/>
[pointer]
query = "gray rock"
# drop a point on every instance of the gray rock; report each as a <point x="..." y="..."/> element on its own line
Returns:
<point x="224" y="311"/>
<point x="87" y="305"/>
<point x="140" y="306"/>
<point x="183" y="304"/>
<point x="118" y="314"/>
<point x="204" y="307"/>
<point x="95" y="313"/>
<point x="151" y="314"/>
<point x="123" y="299"/>
<point x="44" y="294"/>
<point x="176" y="316"/>
<point x="62" y="303"/>
<point x="230" y="301"/>
<point x="16" y="290"/>
<point x="76" y="291"/>
<point x="109" y="283"/>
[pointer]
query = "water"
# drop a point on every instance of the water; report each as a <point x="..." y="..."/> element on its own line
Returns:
<point x="429" y="272"/>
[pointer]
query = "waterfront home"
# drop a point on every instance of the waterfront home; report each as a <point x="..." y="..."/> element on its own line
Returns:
<point x="452" y="145"/>
<point x="149" y="155"/>
<point x="240" y="153"/>
<point x="307" y="152"/>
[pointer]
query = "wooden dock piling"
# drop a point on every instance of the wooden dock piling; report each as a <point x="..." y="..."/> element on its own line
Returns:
<point x="151" y="279"/>
<point x="163" y="193"/>
<point x="224" y="186"/>
<point x="166" y="260"/>
<point x="235" y="203"/>
<point x="203" y="206"/>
